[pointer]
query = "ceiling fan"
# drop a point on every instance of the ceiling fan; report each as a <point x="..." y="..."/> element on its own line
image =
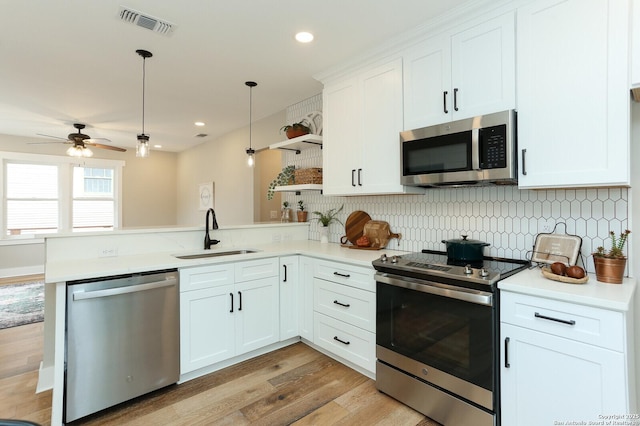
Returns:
<point x="81" y="142"/>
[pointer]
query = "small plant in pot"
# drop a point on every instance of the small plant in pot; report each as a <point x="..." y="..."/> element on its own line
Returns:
<point x="302" y="214"/>
<point x="326" y="219"/>
<point x="296" y="129"/>
<point x="610" y="264"/>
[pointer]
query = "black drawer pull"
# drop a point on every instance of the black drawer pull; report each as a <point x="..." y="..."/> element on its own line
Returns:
<point x="342" y="275"/>
<point x="341" y="304"/>
<point x="231" y="294"/>
<point x="341" y="341"/>
<point x="568" y="322"/>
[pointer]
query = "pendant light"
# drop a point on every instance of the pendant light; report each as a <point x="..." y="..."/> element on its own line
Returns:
<point x="251" y="160"/>
<point x="142" y="148"/>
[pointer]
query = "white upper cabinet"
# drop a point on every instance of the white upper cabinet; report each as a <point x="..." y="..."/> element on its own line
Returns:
<point x="635" y="44"/>
<point x="362" y="122"/>
<point x="461" y="74"/>
<point x="573" y="94"/>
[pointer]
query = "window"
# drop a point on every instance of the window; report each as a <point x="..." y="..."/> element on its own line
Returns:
<point x="32" y="198"/>
<point x="46" y="194"/>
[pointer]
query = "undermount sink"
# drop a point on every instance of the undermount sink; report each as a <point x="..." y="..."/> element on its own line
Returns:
<point x="214" y="254"/>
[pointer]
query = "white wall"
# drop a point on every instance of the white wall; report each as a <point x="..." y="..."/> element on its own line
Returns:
<point x="223" y="162"/>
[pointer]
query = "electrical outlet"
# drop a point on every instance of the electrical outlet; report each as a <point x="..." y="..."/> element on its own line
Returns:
<point x="108" y="252"/>
<point x="287" y="237"/>
<point x="276" y="238"/>
<point x="547" y="228"/>
<point x="274" y="214"/>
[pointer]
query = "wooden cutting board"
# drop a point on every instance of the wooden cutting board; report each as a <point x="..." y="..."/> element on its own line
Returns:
<point x="379" y="233"/>
<point x="354" y="226"/>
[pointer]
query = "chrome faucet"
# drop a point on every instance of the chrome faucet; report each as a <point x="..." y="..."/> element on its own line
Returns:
<point x="208" y="242"/>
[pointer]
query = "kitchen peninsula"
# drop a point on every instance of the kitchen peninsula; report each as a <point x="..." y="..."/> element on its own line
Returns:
<point x="79" y="257"/>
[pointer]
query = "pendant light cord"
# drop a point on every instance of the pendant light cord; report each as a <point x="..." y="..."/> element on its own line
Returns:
<point x="144" y="67"/>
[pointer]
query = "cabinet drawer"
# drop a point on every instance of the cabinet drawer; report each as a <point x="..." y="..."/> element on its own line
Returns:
<point x="256" y="269"/>
<point x="354" y="276"/>
<point x="201" y="277"/>
<point x="596" y="326"/>
<point x="352" y="305"/>
<point x="346" y="341"/>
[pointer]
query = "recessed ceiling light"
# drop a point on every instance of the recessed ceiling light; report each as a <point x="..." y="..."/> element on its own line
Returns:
<point x="304" y="37"/>
<point x="157" y="146"/>
<point x="199" y="123"/>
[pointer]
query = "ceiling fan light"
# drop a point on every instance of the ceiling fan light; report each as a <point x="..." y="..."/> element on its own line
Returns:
<point x="142" y="148"/>
<point x="79" y="151"/>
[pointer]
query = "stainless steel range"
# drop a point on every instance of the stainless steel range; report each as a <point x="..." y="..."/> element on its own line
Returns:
<point x="437" y="334"/>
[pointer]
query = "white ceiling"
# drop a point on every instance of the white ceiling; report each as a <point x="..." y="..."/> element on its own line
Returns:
<point x="66" y="61"/>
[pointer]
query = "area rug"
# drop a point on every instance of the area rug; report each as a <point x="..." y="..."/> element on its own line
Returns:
<point x="21" y="304"/>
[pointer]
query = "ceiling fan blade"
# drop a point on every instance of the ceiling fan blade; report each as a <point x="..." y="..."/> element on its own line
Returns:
<point x="46" y="143"/>
<point x="94" y="140"/>
<point x="49" y="136"/>
<point x="111" y="147"/>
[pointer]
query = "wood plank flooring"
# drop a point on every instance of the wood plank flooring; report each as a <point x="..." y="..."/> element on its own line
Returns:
<point x="295" y="385"/>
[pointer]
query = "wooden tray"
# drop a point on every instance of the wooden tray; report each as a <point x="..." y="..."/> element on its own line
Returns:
<point x="546" y="272"/>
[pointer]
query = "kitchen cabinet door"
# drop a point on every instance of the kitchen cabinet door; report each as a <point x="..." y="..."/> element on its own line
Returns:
<point x="635" y="44"/>
<point x="258" y="314"/>
<point x="547" y="379"/>
<point x="207" y="327"/>
<point x="573" y="94"/>
<point x="341" y="133"/>
<point x="290" y="283"/>
<point x="305" y="297"/>
<point x="483" y="68"/>
<point x="462" y="74"/>
<point x="362" y="121"/>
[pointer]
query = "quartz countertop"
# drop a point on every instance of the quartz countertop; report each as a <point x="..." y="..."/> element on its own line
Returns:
<point x="70" y="270"/>
<point x="618" y="297"/>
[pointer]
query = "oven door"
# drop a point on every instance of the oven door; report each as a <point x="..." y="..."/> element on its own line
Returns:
<point x="438" y="333"/>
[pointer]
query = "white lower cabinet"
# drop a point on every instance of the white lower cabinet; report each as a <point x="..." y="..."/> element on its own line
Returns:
<point x="289" y="297"/>
<point x="227" y="310"/>
<point x="305" y="297"/>
<point x="344" y="312"/>
<point x="561" y="362"/>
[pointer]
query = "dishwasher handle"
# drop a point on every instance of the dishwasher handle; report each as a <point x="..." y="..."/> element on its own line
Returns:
<point x="82" y="295"/>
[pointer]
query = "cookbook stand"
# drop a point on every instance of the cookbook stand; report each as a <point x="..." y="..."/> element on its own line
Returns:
<point x="551" y="247"/>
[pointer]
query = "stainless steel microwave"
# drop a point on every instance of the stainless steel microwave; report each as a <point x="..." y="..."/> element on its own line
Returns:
<point x="475" y="151"/>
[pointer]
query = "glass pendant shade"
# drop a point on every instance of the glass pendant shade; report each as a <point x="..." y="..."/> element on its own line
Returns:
<point x="251" y="157"/>
<point x="142" y="148"/>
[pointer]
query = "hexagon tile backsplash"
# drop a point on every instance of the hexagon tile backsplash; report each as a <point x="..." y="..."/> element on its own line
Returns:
<point x="506" y="217"/>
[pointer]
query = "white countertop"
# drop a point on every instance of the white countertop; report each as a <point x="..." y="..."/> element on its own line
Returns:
<point x="617" y="297"/>
<point x="70" y="270"/>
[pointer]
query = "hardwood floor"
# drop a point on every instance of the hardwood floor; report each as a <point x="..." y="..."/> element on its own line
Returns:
<point x="294" y="385"/>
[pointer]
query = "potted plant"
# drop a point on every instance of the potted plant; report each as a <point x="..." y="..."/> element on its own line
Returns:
<point x="326" y="219"/>
<point x="610" y="264"/>
<point x="302" y="215"/>
<point x="285" y="177"/>
<point x="286" y="212"/>
<point x="296" y="129"/>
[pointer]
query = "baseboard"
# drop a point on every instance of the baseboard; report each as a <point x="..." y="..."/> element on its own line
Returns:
<point x="25" y="270"/>
<point x="45" y="379"/>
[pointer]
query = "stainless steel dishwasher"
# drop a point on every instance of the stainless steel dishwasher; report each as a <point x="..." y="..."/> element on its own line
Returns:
<point x="123" y="339"/>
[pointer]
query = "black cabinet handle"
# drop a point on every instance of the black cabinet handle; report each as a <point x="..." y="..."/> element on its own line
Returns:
<point x="341" y="341"/>
<point x="231" y="294"/>
<point x="455" y="99"/>
<point x="568" y="322"/>
<point x="506" y="353"/>
<point x="360" y="177"/>
<point x="285" y="273"/>
<point x="524" y="164"/>
<point x="240" y="295"/>
<point x="341" y="304"/>
<point x="353" y="177"/>
<point x="444" y="102"/>
<point x="342" y="275"/>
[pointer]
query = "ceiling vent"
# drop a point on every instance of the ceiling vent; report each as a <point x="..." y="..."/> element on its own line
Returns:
<point x="146" y="21"/>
